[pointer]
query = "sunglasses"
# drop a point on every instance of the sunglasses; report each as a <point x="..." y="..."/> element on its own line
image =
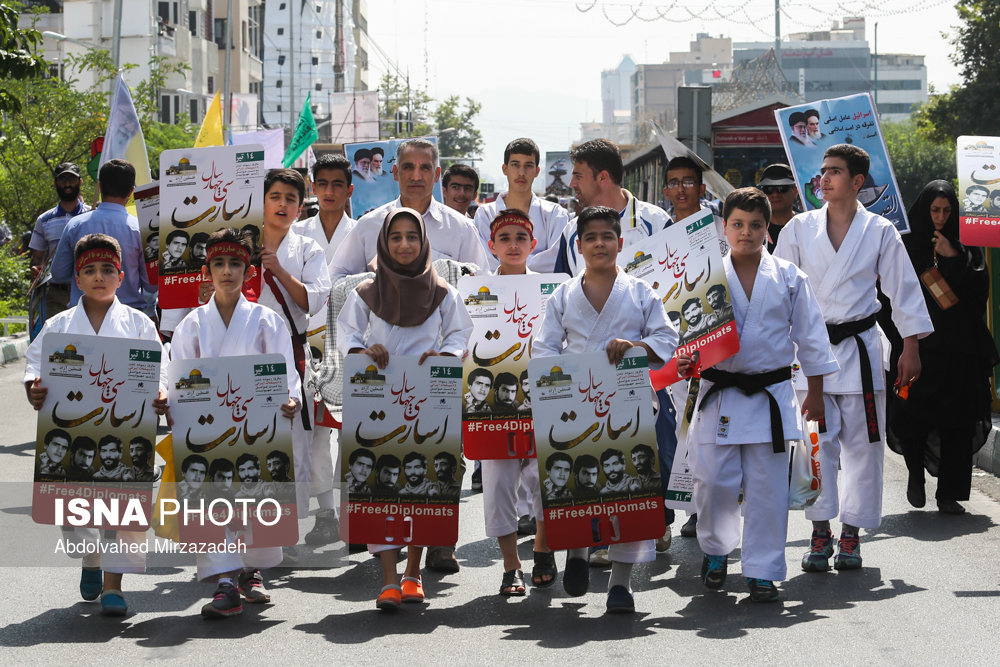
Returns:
<point x="768" y="189"/>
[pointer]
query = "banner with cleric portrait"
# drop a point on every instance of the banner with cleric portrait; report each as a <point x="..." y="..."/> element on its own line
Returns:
<point x="683" y="263"/>
<point x="401" y="445"/>
<point x="807" y="130"/>
<point x="203" y="190"/>
<point x="596" y="441"/>
<point x="506" y="314"/>
<point x="372" y="163"/>
<point x="96" y="431"/>
<point x="233" y="449"/>
<point x="979" y="190"/>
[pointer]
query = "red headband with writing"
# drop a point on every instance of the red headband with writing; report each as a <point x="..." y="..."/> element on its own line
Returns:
<point x="230" y="249"/>
<point x="98" y="255"/>
<point x="509" y="218"/>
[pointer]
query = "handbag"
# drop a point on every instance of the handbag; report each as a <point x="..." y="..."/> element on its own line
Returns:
<point x="938" y="287"/>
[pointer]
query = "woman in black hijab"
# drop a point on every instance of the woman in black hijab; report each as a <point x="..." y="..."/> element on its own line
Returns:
<point x="946" y="417"/>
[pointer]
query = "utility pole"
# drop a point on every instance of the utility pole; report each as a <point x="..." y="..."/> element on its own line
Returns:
<point x="338" y="49"/>
<point x="876" y="66"/>
<point x="777" y="30"/>
<point x="117" y="39"/>
<point x="227" y="87"/>
<point x="291" y="69"/>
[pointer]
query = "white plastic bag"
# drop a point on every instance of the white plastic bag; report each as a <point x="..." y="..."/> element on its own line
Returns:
<point x="804" y="479"/>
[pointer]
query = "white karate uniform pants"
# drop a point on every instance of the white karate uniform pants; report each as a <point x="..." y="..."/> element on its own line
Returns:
<point x="859" y="500"/>
<point x="502" y="479"/>
<point x="719" y="474"/>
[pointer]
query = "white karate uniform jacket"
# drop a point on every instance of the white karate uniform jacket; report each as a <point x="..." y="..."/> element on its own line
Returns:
<point x="305" y="259"/>
<point x="548" y="221"/>
<point x="781" y="317"/>
<point x="844" y="281"/>
<point x="639" y="221"/>
<point x="452" y="236"/>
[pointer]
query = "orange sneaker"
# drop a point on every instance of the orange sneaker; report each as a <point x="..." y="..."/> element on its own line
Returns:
<point x="389" y="598"/>
<point x="413" y="590"/>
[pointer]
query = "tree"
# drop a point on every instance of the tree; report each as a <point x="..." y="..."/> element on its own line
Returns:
<point x="405" y="111"/>
<point x="917" y="158"/>
<point x="18" y="59"/>
<point x="974" y="106"/>
<point x="461" y="139"/>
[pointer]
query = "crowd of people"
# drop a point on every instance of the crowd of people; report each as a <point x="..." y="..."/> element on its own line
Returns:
<point x="801" y="287"/>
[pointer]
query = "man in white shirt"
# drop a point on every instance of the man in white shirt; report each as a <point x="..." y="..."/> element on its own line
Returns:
<point x="521" y="167"/>
<point x="451" y="235"/>
<point x="331" y="183"/>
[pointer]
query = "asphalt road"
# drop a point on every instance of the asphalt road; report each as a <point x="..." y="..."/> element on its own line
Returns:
<point x="928" y="594"/>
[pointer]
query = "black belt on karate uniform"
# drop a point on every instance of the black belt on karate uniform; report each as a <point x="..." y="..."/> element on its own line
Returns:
<point x="840" y="332"/>
<point x="749" y="384"/>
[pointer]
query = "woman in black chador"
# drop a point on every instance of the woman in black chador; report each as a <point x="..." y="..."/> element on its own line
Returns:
<point x="946" y="417"/>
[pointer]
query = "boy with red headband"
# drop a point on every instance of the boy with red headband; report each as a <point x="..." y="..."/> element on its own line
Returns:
<point x="98" y="262"/>
<point x="512" y="241"/>
<point x="229" y="325"/>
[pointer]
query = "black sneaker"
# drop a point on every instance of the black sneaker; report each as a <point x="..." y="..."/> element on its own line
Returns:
<point x="226" y="602"/>
<point x="817" y="559"/>
<point x="477" y="480"/>
<point x="251" y="586"/>
<point x="326" y="530"/>
<point x="713" y="571"/>
<point x="690" y="527"/>
<point x="526" y="525"/>
<point x="762" y="590"/>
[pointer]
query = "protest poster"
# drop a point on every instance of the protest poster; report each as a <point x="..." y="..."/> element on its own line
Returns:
<point x="557" y="168"/>
<point x="233" y="449"/>
<point x="496" y="394"/>
<point x="596" y="449"/>
<point x="147" y="210"/>
<point x="400" y="450"/>
<point x="97" y="428"/>
<point x="683" y="264"/>
<point x="979" y="190"/>
<point x="371" y="174"/>
<point x="807" y="130"/>
<point x="680" y="484"/>
<point x="203" y="190"/>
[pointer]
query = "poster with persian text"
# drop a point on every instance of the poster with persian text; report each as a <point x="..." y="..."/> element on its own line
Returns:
<point x="97" y="428"/>
<point x="979" y="190"/>
<point x="683" y="264"/>
<point x="233" y="449"/>
<point x="401" y="445"/>
<point x="596" y="443"/>
<point x="203" y="190"/>
<point x="506" y="313"/>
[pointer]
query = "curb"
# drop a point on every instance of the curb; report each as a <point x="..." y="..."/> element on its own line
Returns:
<point x="988" y="457"/>
<point x="13" y="348"/>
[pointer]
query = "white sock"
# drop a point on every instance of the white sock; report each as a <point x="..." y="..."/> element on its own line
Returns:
<point x="577" y="553"/>
<point x="325" y="500"/>
<point x="226" y="580"/>
<point x="621" y="575"/>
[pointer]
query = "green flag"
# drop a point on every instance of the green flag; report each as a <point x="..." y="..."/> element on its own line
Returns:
<point x="305" y="135"/>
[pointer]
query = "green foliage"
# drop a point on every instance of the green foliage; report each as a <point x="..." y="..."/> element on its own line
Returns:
<point x="917" y="157"/>
<point x="15" y="278"/>
<point x="465" y="140"/>
<point x="974" y="106"/>
<point x="18" y="60"/>
<point x="400" y="98"/>
<point x="451" y="114"/>
<point x="59" y="121"/>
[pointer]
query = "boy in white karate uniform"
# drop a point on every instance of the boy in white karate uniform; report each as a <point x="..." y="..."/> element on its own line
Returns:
<point x="604" y="308"/>
<point x="733" y="442"/>
<point x="512" y="242"/>
<point x="548" y="219"/>
<point x="229" y="326"/>
<point x="331" y="183"/>
<point x="845" y="249"/>
<point x="295" y="284"/>
<point x="98" y="261"/>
